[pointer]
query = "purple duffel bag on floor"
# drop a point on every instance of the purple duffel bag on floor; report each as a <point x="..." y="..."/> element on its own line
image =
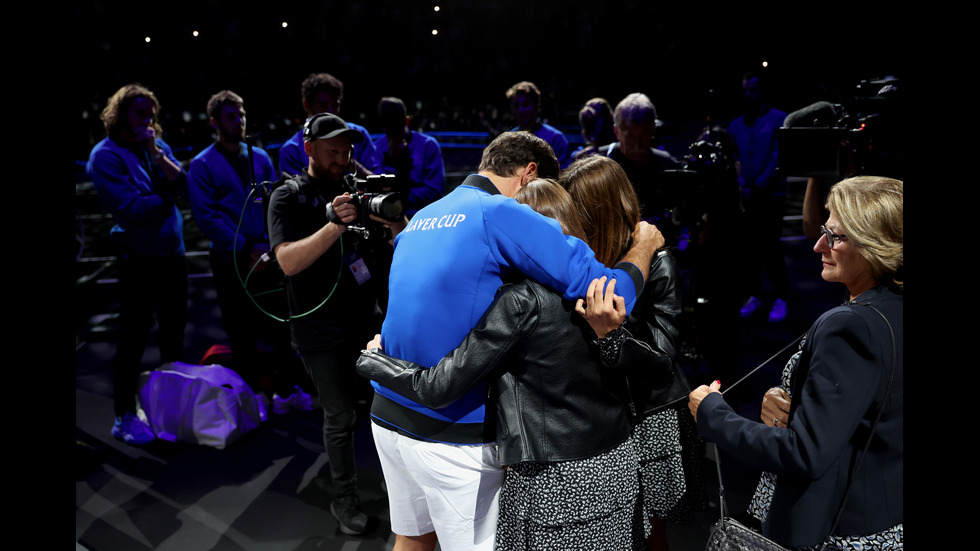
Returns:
<point x="210" y="405"/>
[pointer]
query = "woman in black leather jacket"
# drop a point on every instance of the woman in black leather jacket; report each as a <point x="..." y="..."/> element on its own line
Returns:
<point x="646" y="347"/>
<point x="562" y="427"/>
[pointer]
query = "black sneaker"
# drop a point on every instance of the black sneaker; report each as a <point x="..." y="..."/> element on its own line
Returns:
<point x="349" y="516"/>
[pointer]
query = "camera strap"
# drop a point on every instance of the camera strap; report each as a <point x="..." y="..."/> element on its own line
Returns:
<point x="332" y="214"/>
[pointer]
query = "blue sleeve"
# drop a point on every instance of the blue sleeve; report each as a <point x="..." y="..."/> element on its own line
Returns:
<point x="844" y="374"/>
<point x="291" y="159"/>
<point x="126" y="189"/>
<point x="433" y="176"/>
<point x="214" y="223"/>
<point x="264" y="169"/>
<point x="535" y="245"/>
<point x="562" y="150"/>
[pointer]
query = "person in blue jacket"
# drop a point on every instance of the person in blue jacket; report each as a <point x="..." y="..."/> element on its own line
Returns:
<point x="229" y="212"/>
<point x="323" y="93"/>
<point x="138" y="179"/>
<point x="448" y="264"/>
<point x="525" y="103"/>
<point x="414" y="158"/>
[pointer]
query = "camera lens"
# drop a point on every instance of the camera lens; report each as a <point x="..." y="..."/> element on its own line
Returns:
<point x="387" y="206"/>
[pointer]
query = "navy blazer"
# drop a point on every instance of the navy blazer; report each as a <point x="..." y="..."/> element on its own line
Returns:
<point x="837" y="389"/>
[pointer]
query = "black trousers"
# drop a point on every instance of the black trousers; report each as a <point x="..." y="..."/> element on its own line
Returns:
<point x="247" y="325"/>
<point x="147" y="286"/>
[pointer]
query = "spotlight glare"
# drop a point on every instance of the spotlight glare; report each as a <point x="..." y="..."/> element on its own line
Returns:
<point x="284" y="24"/>
<point x="195" y="33"/>
<point x="435" y="32"/>
<point x="147" y="40"/>
<point x="436" y="8"/>
<point x="765" y="63"/>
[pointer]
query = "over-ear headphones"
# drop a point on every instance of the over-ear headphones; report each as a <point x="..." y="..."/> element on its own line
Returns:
<point x="308" y="125"/>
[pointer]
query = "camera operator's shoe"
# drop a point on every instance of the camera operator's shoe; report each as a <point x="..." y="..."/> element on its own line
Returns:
<point x="778" y="312"/>
<point x="349" y="515"/>
<point x="750" y="306"/>
<point x="132" y="430"/>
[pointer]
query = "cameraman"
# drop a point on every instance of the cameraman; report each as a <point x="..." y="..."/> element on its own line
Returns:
<point x="331" y="289"/>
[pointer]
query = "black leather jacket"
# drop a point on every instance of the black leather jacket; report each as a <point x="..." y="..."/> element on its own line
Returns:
<point x="555" y="401"/>
<point x="646" y="348"/>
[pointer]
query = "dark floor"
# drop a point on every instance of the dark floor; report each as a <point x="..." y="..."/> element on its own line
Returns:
<point x="263" y="492"/>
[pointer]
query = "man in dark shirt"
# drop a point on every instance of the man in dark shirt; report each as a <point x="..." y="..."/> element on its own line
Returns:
<point x="331" y="289"/>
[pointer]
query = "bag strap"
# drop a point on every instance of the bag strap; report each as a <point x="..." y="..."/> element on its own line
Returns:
<point x="721" y="485"/>
<point x="760" y="366"/>
<point x="874" y="424"/>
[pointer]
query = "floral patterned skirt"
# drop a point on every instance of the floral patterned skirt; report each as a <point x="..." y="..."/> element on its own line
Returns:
<point x="670" y="450"/>
<point x="588" y="504"/>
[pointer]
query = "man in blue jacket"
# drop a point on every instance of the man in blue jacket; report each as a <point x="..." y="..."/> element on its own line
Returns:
<point x="525" y="103"/>
<point x="229" y="212"/>
<point x="323" y="93"/>
<point x="414" y="158"/>
<point x="440" y="465"/>
<point x="138" y="178"/>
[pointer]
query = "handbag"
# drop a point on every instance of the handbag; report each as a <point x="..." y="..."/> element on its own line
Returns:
<point x="210" y="405"/>
<point x="728" y="534"/>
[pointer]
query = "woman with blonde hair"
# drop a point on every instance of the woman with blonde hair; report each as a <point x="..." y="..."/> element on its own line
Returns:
<point x="832" y="442"/>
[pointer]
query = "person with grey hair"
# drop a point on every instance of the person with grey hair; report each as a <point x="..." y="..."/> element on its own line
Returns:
<point x="635" y="120"/>
<point x="831" y="442"/>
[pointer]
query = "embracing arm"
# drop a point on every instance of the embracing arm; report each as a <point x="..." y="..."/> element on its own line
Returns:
<point x="649" y="339"/>
<point x="536" y="246"/>
<point x="481" y="353"/>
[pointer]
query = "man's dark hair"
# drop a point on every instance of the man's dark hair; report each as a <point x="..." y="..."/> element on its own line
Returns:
<point x="222" y="98"/>
<point x="528" y="89"/>
<point x="322" y="82"/>
<point x="392" y="113"/>
<point x="116" y="109"/>
<point x="512" y="151"/>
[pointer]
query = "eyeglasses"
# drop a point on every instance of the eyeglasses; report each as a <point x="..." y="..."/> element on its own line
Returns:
<point x="832" y="238"/>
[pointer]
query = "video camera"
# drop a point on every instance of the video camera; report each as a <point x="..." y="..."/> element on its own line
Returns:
<point x="835" y="140"/>
<point x="377" y="195"/>
<point x="708" y="182"/>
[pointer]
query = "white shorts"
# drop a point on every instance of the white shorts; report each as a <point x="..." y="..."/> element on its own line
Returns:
<point x="452" y="490"/>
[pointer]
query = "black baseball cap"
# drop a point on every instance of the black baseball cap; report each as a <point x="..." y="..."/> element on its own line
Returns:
<point x="324" y="126"/>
